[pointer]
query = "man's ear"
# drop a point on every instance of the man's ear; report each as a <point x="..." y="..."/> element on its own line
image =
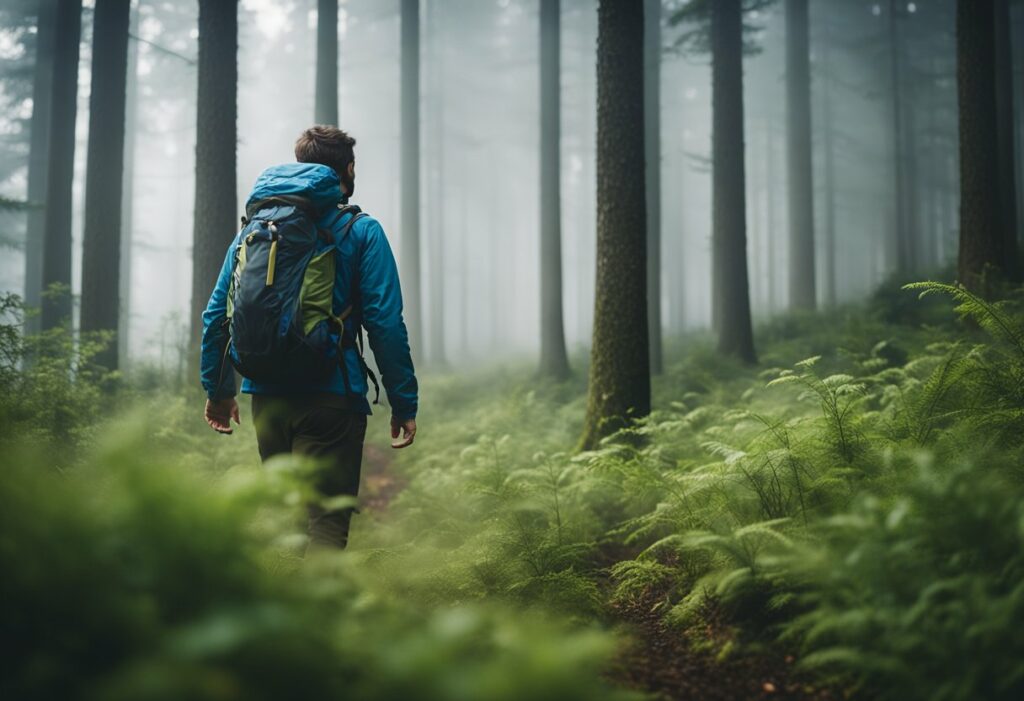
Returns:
<point x="351" y="169"/>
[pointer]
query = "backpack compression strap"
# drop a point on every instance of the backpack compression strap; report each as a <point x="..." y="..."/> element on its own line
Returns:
<point x="304" y="204"/>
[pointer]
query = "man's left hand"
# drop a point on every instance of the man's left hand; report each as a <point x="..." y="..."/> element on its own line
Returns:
<point x="219" y="414"/>
<point x="403" y="432"/>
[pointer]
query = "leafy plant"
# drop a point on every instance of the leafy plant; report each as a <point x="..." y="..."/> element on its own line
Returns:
<point x="920" y="598"/>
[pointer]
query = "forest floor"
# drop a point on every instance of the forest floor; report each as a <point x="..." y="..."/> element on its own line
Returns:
<point x="663" y="662"/>
<point x="654" y="658"/>
<point x="380" y="482"/>
<point x="769" y="532"/>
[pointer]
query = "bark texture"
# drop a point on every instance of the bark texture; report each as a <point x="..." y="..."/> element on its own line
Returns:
<point x="101" y="243"/>
<point x="410" y="175"/>
<point x="652" y="148"/>
<point x="554" y="362"/>
<point x="802" y="293"/>
<point x="61" y="168"/>
<point x="1007" y="145"/>
<point x="729" y="235"/>
<point x="981" y="238"/>
<point x="42" y="94"/>
<point x="326" y="102"/>
<point x="216" y="215"/>
<point x="620" y="387"/>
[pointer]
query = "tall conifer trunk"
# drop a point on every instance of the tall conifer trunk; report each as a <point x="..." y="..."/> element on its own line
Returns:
<point x="729" y="236"/>
<point x="652" y="147"/>
<point x="216" y="215"/>
<point x="326" y="101"/>
<point x="131" y="110"/>
<point x="61" y="166"/>
<point x="1007" y="145"/>
<point x="410" y="171"/>
<point x="101" y="243"/>
<point x="554" y="362"/>
<point x="620" y="386"/>
<point x="42" y="95"/>
<point x="802" y="294"/>
<point x="828" y="148"/>
<point x="981" y="236"/>
<point x="437" y="42"/>
<point x="903" y="234"/>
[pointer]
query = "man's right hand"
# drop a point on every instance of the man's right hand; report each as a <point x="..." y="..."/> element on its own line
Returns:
<point x="407" y="429"/>
<point x="219" y="414"/>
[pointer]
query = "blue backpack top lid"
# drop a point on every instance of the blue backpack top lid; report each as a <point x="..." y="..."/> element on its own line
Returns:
<point x="316" y="182"/>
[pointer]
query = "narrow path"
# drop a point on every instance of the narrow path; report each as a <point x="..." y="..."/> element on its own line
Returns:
<point x="660" y="661"/>
<point x="657" y="659"/>
<point x="380" y="483"/>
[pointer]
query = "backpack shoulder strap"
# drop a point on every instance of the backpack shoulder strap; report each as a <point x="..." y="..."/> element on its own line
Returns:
<point x="355" y="342"/>
<point x="350" y="222"/>
<point x="344" y="209"/>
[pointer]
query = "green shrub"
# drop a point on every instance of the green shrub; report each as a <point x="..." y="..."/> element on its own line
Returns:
<point x="139" y="577"/>
<point x="921" y="597"/>
<point x="51" y="390"/>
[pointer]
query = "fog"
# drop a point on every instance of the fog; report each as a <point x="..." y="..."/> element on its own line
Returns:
<point x="479" y="155"/>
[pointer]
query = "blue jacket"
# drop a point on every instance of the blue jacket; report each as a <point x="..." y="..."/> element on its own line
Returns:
<point x="378" y="310"/>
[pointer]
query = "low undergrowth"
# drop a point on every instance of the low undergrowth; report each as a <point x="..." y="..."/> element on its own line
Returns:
<point x="855" y="500"/>
<point x="861" y="503"/>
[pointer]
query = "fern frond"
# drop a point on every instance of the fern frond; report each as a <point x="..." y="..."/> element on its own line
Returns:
<point x="989" y="315"/>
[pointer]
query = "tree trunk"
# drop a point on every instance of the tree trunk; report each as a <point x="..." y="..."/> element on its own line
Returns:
<point x="802" y="294"/>
<point x="829" y="185"/>
<point x="101" y="241"/>
<point x="981" y="236"/>
<point x="1016" y="74"/>
<point x="771" y="228"/>
<point x="463" y="267"/>
<point x="620" y="385"/>
<point x="554" y="362"/>
<point x="216" y="136"/>
<point x="436" y="183"/>
<point x="903" y="244"/>
<point x="410" y="166"/>
<point x="61" y="170"/>
<point x="1005" y="129"/>
<point x="38" y="159"/>
<point x="729" y="244"/>
<point x="652" y="147"/>
<point x="911" y="193"/>
<point x="755" y="236"/>
<point x="128" y="190"/>
<point x="677" y="280"/>
<point x="326" y="104"/>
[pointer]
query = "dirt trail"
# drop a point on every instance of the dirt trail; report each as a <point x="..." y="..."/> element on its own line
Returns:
<point x="380" y="483"/>
<point x="660" y="661"/>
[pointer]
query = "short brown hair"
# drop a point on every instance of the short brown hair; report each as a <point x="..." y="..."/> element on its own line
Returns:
<point x="327" y="146"/>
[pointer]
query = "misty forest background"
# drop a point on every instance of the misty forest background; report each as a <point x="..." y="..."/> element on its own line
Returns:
<point x="715" y="303"/>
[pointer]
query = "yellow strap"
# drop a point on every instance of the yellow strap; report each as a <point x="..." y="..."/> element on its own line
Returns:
<point x="271" y="261"/>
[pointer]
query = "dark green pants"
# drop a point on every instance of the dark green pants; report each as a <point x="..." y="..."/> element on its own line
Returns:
<point x="321" y="427"/>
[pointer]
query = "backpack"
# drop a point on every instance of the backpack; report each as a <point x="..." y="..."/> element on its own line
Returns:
<point x="282" y="329"/>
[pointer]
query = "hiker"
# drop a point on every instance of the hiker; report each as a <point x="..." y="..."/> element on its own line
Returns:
<point x="303" y="277"/>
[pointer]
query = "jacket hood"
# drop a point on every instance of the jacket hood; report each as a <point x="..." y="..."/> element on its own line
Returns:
<point x="316" y="182"/>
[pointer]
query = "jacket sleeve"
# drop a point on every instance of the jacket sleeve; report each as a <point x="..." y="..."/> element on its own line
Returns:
<point x="217" y="376"/>
<point x="381" y="296"/>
